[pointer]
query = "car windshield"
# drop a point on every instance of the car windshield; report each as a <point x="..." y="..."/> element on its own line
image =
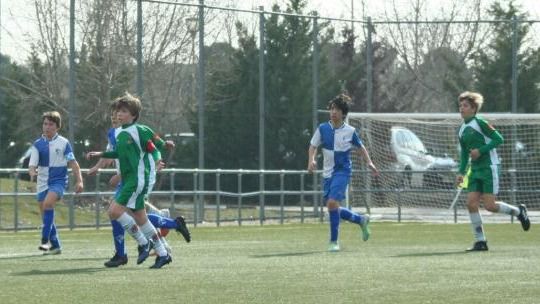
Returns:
<point x="409" y="140"/>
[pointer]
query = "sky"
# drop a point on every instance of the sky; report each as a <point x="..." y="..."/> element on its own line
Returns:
<point x="18" y="22"/>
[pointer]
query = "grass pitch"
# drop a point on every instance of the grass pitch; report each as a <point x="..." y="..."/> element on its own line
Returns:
<point x="402" y="263"/>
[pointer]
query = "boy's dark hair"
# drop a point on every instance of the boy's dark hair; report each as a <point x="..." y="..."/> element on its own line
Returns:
<point x="53" y="116"/>
<point x="342" y="102"/>
<point x="131" y="103"/>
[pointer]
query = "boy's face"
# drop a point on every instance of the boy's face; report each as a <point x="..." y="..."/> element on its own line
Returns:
<point x="335" y="113"/>
<point x="466" y="109"/>
<point x="49" y="128"/>
<point x="124" y="117"/>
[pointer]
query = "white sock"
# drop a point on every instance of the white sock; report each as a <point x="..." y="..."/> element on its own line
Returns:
<point x="508" y="209"/>
<point x="151" y="233"/>
<point x="131" y="227"/>
<point x="476" y="223"/>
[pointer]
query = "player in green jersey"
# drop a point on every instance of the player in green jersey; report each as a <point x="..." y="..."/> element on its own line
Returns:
<point x="134" y="144"/>
<point x="478" y="140"/>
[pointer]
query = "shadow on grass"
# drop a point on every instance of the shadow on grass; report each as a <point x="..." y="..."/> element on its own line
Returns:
<point x="76" y="271"/>
<point x="427" y="254"/>
<point x="18" y="257"/>
<point x="285" y="254"/>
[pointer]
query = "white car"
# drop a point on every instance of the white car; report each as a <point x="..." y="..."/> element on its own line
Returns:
<point x="411" y="155"/>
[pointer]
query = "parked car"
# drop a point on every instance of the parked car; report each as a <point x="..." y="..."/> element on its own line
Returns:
<point x="411" y="155"/>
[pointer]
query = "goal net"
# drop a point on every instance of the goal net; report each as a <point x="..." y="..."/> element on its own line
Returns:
<point x="418" y="155"/>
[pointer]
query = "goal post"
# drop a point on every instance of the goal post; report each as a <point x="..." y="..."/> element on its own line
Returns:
<point x="418" y="155"/>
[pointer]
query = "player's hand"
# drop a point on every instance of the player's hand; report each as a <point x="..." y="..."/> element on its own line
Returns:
<point x="160" y="165"/>
<point x="32" y="173"/>
<point x="115" y="180"/>
<point x="374" y="169"/>
<point x="79" y="187"/>
<point x="475" y="153"/>
<point x="459" y="179"/>
<point x="312" y="166"/>
<point x="93" y="171"/>
<point x="169" y="144"/>
<point x="93" y="154"/>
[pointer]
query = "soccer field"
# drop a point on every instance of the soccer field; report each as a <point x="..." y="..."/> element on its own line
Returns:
<point x="402" y="263"/>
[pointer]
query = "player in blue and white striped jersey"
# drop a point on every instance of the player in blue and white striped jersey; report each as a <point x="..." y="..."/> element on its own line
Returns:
<point x="50" y="157"/>
<point x="338" y="139"/>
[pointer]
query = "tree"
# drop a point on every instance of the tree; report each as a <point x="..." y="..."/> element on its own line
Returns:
<point x="493" y="65"/>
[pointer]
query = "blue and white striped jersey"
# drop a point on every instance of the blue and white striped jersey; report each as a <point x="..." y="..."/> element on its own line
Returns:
<point x="51" y="159"/>
<point x="336" y="147"/>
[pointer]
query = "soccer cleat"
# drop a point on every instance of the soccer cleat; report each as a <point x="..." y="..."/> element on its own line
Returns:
<point x="116" y="261"/>
<point x="183" y="229"/>
<point x="366" y="232"/>
<point x="53" y="251"/>
<point x="44" y="247"/>
<point x="162" y="261"/>
<point x="144" y="251"/>
<point x="479" y="246"/>
<point x="524" y="218"/>
<point x="333" y="247"/>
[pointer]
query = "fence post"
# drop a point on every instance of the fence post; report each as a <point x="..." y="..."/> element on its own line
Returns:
<point x="261" y="197"/>
<point x="240" y="198"/>
<point x="281" y="196"/>
<point x="172" y="197"/>
<point x="218" y="196"/>
<point x="302" y="198"/>
<point x="195" y="198"/>
<point x="98" y="200"/>
<point x="16" y="203"/>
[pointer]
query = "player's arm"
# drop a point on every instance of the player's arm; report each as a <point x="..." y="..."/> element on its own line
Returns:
<point x="32" y="164"/>
<point x="74" y="165"/>
<point x="463" y="162"/>
<point x="365" y="155"/>
<point x="493" y="134"/>
<point x="102" y="163"/>
<point x="312" y="151"/>
<point x="312" y="163"/>
<point x="357" y="142"/>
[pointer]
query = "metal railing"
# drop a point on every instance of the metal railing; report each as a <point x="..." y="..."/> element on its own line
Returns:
<point x="275" y="201"/>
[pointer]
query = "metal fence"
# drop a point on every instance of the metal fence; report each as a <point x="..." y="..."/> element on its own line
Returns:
<point x="226" y="199"/>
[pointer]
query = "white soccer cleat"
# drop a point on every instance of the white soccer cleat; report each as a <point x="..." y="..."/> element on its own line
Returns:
<point x="333" y="247"/>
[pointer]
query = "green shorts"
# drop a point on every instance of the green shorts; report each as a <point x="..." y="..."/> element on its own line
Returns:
<point x="132" y="195"/>
<point x="484" y="180"/>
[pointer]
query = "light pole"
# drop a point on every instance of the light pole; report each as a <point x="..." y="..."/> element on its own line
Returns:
<point x="192" y="27"/>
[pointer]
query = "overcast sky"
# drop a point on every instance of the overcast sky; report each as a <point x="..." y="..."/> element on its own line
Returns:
<point x="18" y="23"/>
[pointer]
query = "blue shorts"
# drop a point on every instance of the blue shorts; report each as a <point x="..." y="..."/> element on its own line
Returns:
<point x="56" y="188"/>
<point x="335" y="187"/>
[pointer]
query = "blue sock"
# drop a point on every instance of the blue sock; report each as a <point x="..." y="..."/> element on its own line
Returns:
<point x="162" y="222"/>
<point x="55" y="241"/>
<point x="334" y="224"/>
<point x="48" y="219"/>
<point x="118" y="238"/>
<point x="350" y="216"/>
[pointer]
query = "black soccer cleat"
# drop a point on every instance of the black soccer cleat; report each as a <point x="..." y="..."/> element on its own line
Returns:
<point x="182" y="228"/>
<point x="479" y="246"/>
<point x="144" y="251"/>
<point x="116" y="261"/>
<point x="161" y="261"/>
<point x="524" y="218"/>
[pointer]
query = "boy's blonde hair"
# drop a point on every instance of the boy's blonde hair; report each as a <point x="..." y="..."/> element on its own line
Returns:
<point x="53" y="116"/>
<point x="474" y="99"/>
<point x="130" y="102"/>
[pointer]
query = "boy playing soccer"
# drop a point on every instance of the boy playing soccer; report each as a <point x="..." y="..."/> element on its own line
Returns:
<point x="478" y="140"/>
<point x="50" y="157"/>
<point x="337" y="139"/>
<point x="134" y="144"/>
